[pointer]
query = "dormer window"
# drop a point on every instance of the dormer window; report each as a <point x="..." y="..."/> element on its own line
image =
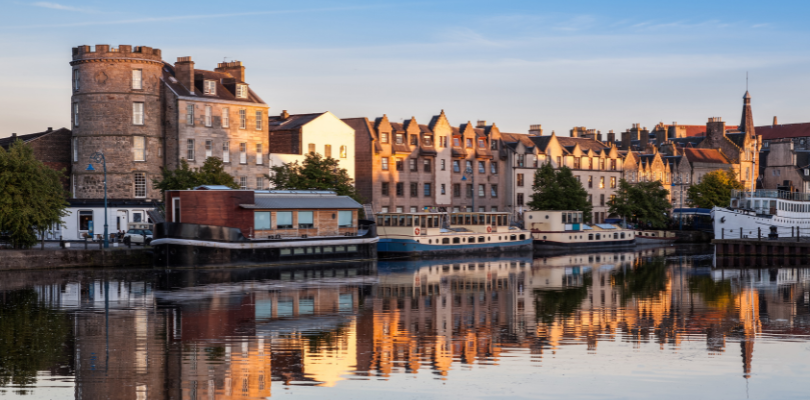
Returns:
<point x="241" y="91"/>
<point x="384" y="137"/>
<point x="456" y="141"/>
<point x="428" y="140"/>
<point x="469" y="143"/>
<point x="400" y="138"/>
<point x="482" y="143"/>
<point x="210" y="87"/>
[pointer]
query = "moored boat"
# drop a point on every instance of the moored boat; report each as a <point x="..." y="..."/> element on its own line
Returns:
<point x="655" y="236"/>
<point x="426" y="235"/>
<point x="763" y="213"/>
<point x="567" y="230"/>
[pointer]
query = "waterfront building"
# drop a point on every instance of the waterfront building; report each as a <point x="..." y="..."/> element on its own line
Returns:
<point x="293" y="136"/>
<point x="786" y="166"/>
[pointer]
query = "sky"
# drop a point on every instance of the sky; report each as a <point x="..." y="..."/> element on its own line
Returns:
<point x="600" y="64"/>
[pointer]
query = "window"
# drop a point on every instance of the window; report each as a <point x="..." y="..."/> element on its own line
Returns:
<point x="75" y="114"/>
<point x="469" y="190"/>
<point x="242" y="119"/>
<point x="493" y="167"/>
<point x="427" y="189"/>
<point x="613" y="182"/>
<point x="226" y="119"/>
<point x="443" y="141"/>
<point x="601" y="199"/>
<point x="190" y="114"/>
<point x="521" y="160"/>
<point x="384" y="163"/>
<point x="209" y="147"/>
<point x="482" y="190"/>
<point x="443" y="188"/>
<point x="138" y="148"/>
<point x="384" y="137"/>
<point x="613" y="164"/>
<point x="75" y="149"/>
<point x="137" y="113"/>
<point x="456" y="141"/>
<point x="559" y="161"/>
<point x="210" y="87"/>
<point x="384" y="189"/>
<point x="520" y="199"/>
<point x="414" y="140"/>
<point x="140" y="184"/>
<point x="242" y="153"/>
<point x="311" y="148"/>
<point x="577" y="162"/>
<point x="259" y="155"/>
<point x="400" y="209"/>
<point x="400" y="138"/>
<point x="76" y="80"/>
<point x="443" y="164"/>
<point x="190" y="149"/>
<point x="413" y="209"/>
<point x="482" y="143"/>
<point x="468" y="166"/>
<point x="468" y="142"/>
<point x="602" y="164"/>
<point x="456" y="166"/>
<point x="399" y="164"/>
<point x="261" y="220"/>
<point x="259" y="120"/>
<point x="590" y="199"/>
<point x="400" y="189"/>
<point x="241" y="91"/>
<point x="427" y="141"/>
<point x="284" y="220"/>
<point x="520" y="179"/>
<point x="482" y="167"/>
<point x="305" y="219"/>
<point x="493" y="144"/>
<point x="137" y="79"/>
<point x="412" y="164"/>
<point x="343" y="152"/>
<point x="602" y="182"/>
<point x="208" y="116"/>
<point x="414" y="189"/>
<point x="345" y="219"/>
<point x="226" y="151"/>
<point x="590" y="181"/>
<point x="426" y="165"/>
<point x="259" y="183"/>
<point x="456" y="190"/>
<point x="85" y="220"/>
<point x="493" y="190"/>
<point x="243" y="182"/>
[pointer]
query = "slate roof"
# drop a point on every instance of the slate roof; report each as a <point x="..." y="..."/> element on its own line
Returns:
<point x="737" y="138"/>
<point x="771" y="132"/>
<point x="688" y="141"/>
<point x="705" y="156"/>
<point x="541" y="141"/>
<point x="673" y="161"/>
<point x="224" y="90"/>
<point x="585" y="144"/>
<point x="276" y="202"/>
<point x="294" y="121"/>
<point x="6" y="142"/>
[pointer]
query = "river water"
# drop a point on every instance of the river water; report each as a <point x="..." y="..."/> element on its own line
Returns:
<point x="660" y="323"/>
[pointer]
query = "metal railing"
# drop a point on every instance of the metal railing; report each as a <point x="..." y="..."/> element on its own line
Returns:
<point x="770" y="193"/>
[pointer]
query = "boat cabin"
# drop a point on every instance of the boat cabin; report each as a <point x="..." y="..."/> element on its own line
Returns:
<point x="553" y="221"/>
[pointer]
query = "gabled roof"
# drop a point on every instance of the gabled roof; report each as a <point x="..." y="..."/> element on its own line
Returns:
<point x="737" y="138"/>
<point x="541" y="141"/>
<point x="688" y="141"/>
<point x="6" y="142"/>
<point x="772" y="132"/>
<point x="705" y="156"/>
<point x="294" y="121"/>
<point x="511" y="139"/>
<point x="585" y="144"/>
<point x="222" y="90"/>
<point x="362" y="127"/>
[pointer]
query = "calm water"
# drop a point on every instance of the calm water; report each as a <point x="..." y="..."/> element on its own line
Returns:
<point x="660" y="323"/>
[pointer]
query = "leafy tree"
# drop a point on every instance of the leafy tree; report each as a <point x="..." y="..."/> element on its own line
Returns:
<point x="211" y="173"/>
<point x="559" y="190"/>
<point x="32" y="197"/>
<point x="644" y="201"/>
<point x="315" y="172"/>
<point x="714" y="189"/>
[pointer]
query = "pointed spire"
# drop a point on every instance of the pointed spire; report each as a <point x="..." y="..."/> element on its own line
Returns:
<point x="747" y="122"/>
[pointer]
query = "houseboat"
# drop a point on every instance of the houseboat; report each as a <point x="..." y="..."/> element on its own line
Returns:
<point x="223" y="227"/>
<point x="566" y="230"/>
<point x="427" y="235"/>
<point x="766" y="213"/>
<point x="655" y="237"/>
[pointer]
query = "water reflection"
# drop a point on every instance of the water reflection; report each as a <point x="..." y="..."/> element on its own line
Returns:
<point x="253" y="333"/>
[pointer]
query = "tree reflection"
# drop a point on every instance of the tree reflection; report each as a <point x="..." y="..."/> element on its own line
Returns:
<point x="716" y="294"/>
<point x="561" y="302"/>
<point x="647" y="280"/>
<point x="32" y="338"/>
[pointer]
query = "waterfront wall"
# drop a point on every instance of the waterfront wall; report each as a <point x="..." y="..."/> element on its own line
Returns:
<point x="11" y="260"/>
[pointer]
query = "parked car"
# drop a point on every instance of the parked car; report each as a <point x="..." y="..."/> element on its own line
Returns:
<point x="138" y="236"/>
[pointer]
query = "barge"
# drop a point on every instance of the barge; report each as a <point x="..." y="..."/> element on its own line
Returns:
<point x="566" y="230"/>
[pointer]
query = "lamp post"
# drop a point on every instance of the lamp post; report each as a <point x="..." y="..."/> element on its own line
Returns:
<point x="98" y="157"/>
<point x="469" y="171"/>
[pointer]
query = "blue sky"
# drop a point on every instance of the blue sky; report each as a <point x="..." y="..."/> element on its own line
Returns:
<point x="599" y="64"/>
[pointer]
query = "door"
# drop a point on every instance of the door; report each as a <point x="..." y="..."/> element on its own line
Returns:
<point x="121" y="221"/>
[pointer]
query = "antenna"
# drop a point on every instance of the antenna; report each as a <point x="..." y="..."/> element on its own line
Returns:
<point x="226" y="57"/>
<point x="746" y="81"/>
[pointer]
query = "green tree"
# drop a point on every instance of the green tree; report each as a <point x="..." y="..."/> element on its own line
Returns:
<point x="559" y="190"/>
<point x="642" y="202"/>
<point x="714" y="189"/>
<point x="32" y="198"/>
<point x="183" y="178"/>
<point x="315" y="172"/>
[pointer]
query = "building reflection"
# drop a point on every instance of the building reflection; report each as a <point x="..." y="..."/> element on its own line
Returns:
<point x="230" y="334"/>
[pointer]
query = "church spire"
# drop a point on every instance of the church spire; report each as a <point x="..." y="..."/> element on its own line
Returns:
<point x="747" y="123"/>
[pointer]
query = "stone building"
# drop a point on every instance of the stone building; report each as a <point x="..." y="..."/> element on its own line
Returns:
<point x="787" y="166"/>
<point x="51" y="147"/>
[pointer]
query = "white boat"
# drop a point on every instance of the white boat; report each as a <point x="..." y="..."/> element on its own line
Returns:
<point x="763" y="213"/>
<point x="566" y="230"/>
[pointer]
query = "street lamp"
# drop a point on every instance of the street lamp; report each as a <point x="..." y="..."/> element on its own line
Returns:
<point x="98" y="157"/>
<point x="469" y="171"/>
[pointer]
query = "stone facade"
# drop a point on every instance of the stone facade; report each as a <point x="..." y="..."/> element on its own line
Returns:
<point x="106" y="116"/>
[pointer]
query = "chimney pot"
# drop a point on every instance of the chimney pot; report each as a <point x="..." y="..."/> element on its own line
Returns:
<point x="14" y="135"/>
<point x="285" y="115"/>
<point x="184" y="72"/>
<point x="775" y="121"/>
<point x="50" y="129"/>
<point x="481" y="124"/>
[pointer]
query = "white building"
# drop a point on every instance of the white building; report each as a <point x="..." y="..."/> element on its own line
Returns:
<point x="87" y="217"/>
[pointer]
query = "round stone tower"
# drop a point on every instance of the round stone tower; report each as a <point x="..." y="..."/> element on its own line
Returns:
<point x="116" y="110"/>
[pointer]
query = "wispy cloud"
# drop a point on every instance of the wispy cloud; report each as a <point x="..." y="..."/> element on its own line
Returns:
<point x="57" y="6"/>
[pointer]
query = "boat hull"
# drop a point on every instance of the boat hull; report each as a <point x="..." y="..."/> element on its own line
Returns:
<point x="545" y="246"/>
<point x="388" y="248"/>
<point x="735" y="224"/>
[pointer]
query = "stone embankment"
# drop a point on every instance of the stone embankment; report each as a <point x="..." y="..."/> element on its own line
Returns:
<point x="74" y="258"/>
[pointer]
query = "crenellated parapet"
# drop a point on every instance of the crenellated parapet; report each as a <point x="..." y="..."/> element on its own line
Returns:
<point x="123" y="53"/>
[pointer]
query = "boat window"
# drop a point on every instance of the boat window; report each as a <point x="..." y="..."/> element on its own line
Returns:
<point x="446" y="241"/>
<point x="471" y="239"/>
<point x="387" y="220"/>
<point x="622" y="235"/>
<point x="598" y="236"/>
<point x="409" y="220"/>
<point x="284" y="252"/>
<point x="467" y="219"/>
<point x="481" y="239"/>
<point x="513" y="237"/>
<point x="328" y="249"/>
<point x="456" y="240"/>
<point x="298" y="250"/>
<point x="340" y="249"/>
<point x="563" y="217"/>
<point x="424" y="221"/>
<point x="522" y="237"/>
<point x="615" y="235"/>
<point x="351" y="248"/>
<point x="436" y="222"/>
<point x="401" y="220"/>
<point x="590" y="236"/>
<point x="380" y="220"/>
<point x="415" y="220"/>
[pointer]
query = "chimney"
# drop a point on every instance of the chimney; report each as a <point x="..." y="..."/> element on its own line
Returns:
<point x="715" y="131"/>
<point x="184" y="72"/>
<point x="774" y="121"/>
<point x="50" y="129"/>
<point x="14" y="136"/>
<point x="626" y="140"/>
<point x="643" y="139"/>
<point x="284" y="115"/>
<point x="481" y="124"/>
<point x="611" y="137"/>
<point x="233" y="68"/>
<point x="536" y="130"/>
<point x="599" y="135"/>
